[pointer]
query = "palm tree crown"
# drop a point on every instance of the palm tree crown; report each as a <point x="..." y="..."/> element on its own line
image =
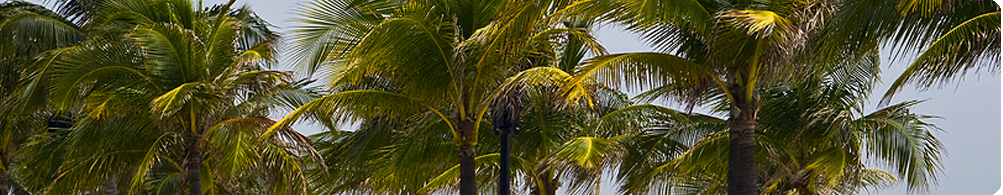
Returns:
<point x="189" y="84"/>
<point x="447" y="60"/>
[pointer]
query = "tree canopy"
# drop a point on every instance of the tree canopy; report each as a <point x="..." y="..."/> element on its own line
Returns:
<point x="416" y="96"/>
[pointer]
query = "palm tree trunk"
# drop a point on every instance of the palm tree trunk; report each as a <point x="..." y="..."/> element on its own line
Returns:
<point x="111" y="186"/>
<point x="741" y="159"/>
<point x="468" y="180"/>
<point x="193" y="164"/>
<point x="4" y="183"/>
<point x="468" y="183"/>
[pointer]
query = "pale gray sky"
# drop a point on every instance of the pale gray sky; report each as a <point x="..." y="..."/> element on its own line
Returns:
<point x="969" y="108"/>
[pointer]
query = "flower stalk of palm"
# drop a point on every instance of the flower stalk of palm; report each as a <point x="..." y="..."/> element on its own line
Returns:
<point x="424" y="58"/>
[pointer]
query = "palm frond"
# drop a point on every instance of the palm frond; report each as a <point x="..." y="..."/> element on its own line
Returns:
<point x="905" y="143"/>
<point x="758" y="23"/>
<point x="331" y="28"/>
<point x="354" y="105"/>
<point x="30" y="29"/>
<point x="637" y="70"/>
<point x="80" y="11"/>
<point x="974" y="44"/>
<point x="175" y="99"/>
<point x="586" y="152"/>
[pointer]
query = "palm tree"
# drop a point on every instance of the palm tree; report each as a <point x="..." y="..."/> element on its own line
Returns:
<point x="950" y="37"/>
<point x="816" y="137"/>
<point x="434" y="66"/>
<point x="187" y="82"/>
<point x="27" y="30"/>
<point x="732" y="47"/>
<point x="557" y="143"/>
<point x="560" y="142"/>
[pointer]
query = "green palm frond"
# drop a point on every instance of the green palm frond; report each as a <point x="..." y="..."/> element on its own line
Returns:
<point x="430" y="148"/>
<point x="88" y="68"/>
<point x="156" y="154"/>
<point x="264" y="51"/>
<point x="854" y="81"/>
<point x="634" y="119"/>
<point x="330" y="28"/>
<point x="403" y="57"/>
<point x="586" y="152"/>
<point x="172" y="49"/>
<point x="30" y="29"/>
<point x="621" y="134"/>
<point x="164" y="183"/>
<point x="339" y="176"/>
<point x="762" y="41"/>
<point x="673" y="165"/>
<point x="354" y="105"/>
<point x="582" y="161"/>
<point x="692" y="13"/>
<point x="175" y="99"/>
<point x="586" y="41"/>
<point x="236" y="138"/>
<point x="117" y="15"/>
<point x="80" y="11"/>
<point x="903" y="142"/>
<point x="708" y="154"/>
<point x="636" y="70"/>
<point x="877" y="179"/>
<point x="832" y="161"/>
<point x="256" y="34"/>
<point x="757" y="23"/>
<point x="293" y="95"/>
<point x="974" y="44"/>
<point x="916" y="25"/>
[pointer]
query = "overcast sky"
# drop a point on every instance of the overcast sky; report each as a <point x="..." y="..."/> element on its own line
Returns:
<point x="971" y="135"/>
<point x="969" y="108"/>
